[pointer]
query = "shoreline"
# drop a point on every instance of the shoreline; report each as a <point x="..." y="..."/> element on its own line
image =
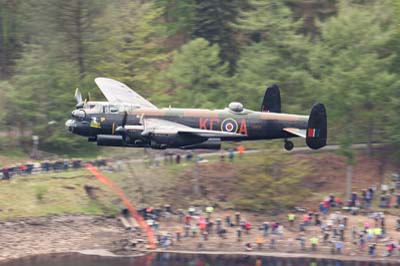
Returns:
<point x="142" y="253"/>
<point x="106" y="237"/>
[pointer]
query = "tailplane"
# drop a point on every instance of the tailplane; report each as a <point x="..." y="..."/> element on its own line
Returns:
<point x="272" y="100"/>
<point x="317" y="131"/>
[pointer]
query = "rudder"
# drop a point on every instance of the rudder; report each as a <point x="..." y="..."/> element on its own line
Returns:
<point x="272" y="100"/>
<point x="317" y="127"/>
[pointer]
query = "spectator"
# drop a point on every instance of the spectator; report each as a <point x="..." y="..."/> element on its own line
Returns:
<point x="314" y="243"/>
<point x="371" y="249"/>
<point x="265" y="228"/>
<point x="239" y="234"/>
<point x="240" y="149"/>
<point x="390" y="247"/>
<point x="205" y="235"/>
<point x="231" y="155"/>
<point x="259" y="241"/>
<point x="291" y="218"/>
<point x="6" y="173"/>
<point x="228" y="221"/>
<point x="302" y="241"/>
<point x="248" y="247"/>
<point x="247" y="226"/>
<point x="339" y="246"/>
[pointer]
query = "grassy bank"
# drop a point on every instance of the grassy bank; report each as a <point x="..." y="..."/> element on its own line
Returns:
<point x="54" y="193"/>
<point x="265" y="181"/>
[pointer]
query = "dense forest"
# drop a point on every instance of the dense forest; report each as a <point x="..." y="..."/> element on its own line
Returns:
<point x="201" y="53"/>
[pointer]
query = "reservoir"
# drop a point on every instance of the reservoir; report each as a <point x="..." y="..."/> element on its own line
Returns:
<point x="175" y="259"/>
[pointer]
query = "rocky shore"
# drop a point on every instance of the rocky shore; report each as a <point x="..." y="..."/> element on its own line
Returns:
<point x="40" y="235"/>
<point x="103" y="236"/>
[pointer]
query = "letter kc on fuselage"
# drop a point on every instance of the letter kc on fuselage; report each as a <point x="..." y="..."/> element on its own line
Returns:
<point x="129" y="120"/>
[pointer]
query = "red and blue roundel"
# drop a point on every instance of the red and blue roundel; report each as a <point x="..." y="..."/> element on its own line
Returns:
<point x="229" y="125"/>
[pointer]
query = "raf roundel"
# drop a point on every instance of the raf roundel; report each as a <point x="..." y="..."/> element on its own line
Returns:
<point x="229" y="125"/>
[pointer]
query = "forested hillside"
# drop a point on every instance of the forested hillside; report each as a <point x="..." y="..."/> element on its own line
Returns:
<point x="201" y="53"/>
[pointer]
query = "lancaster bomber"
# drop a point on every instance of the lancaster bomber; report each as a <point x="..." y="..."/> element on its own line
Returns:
<point x="127" y="119"/>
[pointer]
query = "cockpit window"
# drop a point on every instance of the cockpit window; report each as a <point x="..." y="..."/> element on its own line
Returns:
<point x="110" y="108"/>
<point x="114" y="109"/>
<point x="93" y="108"/>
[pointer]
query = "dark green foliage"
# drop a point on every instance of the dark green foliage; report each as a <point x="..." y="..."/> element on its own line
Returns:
<point x="213" y="20"/>
<point x="201" y="54"/>
<point x="310" y="12"/>
<point x="178" y="16"/>
<point x="278" y="55"/>
<point x="74" y="19"/>
<point x="12" y="33"/>
<point x="353" y="71"/>
<point x="196" y="76"/>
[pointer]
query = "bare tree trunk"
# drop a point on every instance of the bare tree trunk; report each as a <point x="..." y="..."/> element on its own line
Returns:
<point x="370" y="132"/>
<point x="79" y="41"/>
<point x="381" y="168"/>
<point x="349" y="155"/>
<point x="2" y="48"/>
<point x="349" y="180"/>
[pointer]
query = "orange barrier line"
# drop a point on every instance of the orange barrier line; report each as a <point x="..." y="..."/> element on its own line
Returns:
<point x="106" y="181"/>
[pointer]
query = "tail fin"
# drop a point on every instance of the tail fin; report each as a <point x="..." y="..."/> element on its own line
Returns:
<point x="272" y="100"/>
<point x="317" y="127"/>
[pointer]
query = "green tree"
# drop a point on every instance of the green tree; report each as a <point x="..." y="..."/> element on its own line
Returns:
<point x="196" y="76"/>
<point x="213" y="20"/>
<point x="178" y="17"/>
<point x="75" y="20"/>
<point x="128" y="45"/>
<point x="351" y="65"/>
<point x="275" y="53"/>
<point x="15" y="29"/>
<point x="312" y="11"/>
<point x="393" y="125"/>
<point x="41" y="93"/>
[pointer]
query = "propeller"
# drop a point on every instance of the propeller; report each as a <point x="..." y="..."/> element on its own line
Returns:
<point x="86" y="100"/>
<point x="78" y="98"/>
<point x="124" y="119"/>
<point x="121" y="129"/>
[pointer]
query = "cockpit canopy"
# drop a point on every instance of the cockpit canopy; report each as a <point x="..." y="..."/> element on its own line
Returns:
<point x="109" y="108"/>
<point x="236" y="107"/>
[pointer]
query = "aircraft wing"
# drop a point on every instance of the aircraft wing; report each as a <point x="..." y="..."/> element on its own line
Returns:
<point x="118" y="92"/>
<point x="160" y="126"/>
<point x="296" y="131"/>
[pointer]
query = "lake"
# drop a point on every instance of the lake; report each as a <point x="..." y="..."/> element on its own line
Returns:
<point x="173" y="259"/>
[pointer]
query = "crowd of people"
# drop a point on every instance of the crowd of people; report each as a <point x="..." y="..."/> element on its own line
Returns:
<point x="7" y="172"/>
<point x="29" y="168"/>
<point x="336" y="229"/>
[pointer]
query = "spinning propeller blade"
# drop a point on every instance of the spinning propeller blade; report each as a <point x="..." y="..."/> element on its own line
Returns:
<point x="121" y="129"/>
<point x="78" y="98"/>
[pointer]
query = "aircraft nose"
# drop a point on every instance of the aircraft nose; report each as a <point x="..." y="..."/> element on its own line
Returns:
<point x="70" y="124"/>
<point x="78" y="127"/>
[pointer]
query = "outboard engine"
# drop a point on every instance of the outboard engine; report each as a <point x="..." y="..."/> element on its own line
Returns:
<point x="110" y="140"/>
<point x="211" y="144"/>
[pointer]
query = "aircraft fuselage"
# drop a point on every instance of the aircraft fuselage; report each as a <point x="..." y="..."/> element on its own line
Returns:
<point x="251" y="124"/>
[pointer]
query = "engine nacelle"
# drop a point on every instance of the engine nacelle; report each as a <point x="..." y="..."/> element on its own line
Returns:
<point x="92" y="139"/>
<point x="157" y="146"/>
<point x="175" y="140"/>
<point x="211" y="144"/>
<point x="110" y="140"/>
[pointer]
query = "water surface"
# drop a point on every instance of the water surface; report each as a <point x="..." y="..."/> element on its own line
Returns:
<point x="171" y="259"/>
